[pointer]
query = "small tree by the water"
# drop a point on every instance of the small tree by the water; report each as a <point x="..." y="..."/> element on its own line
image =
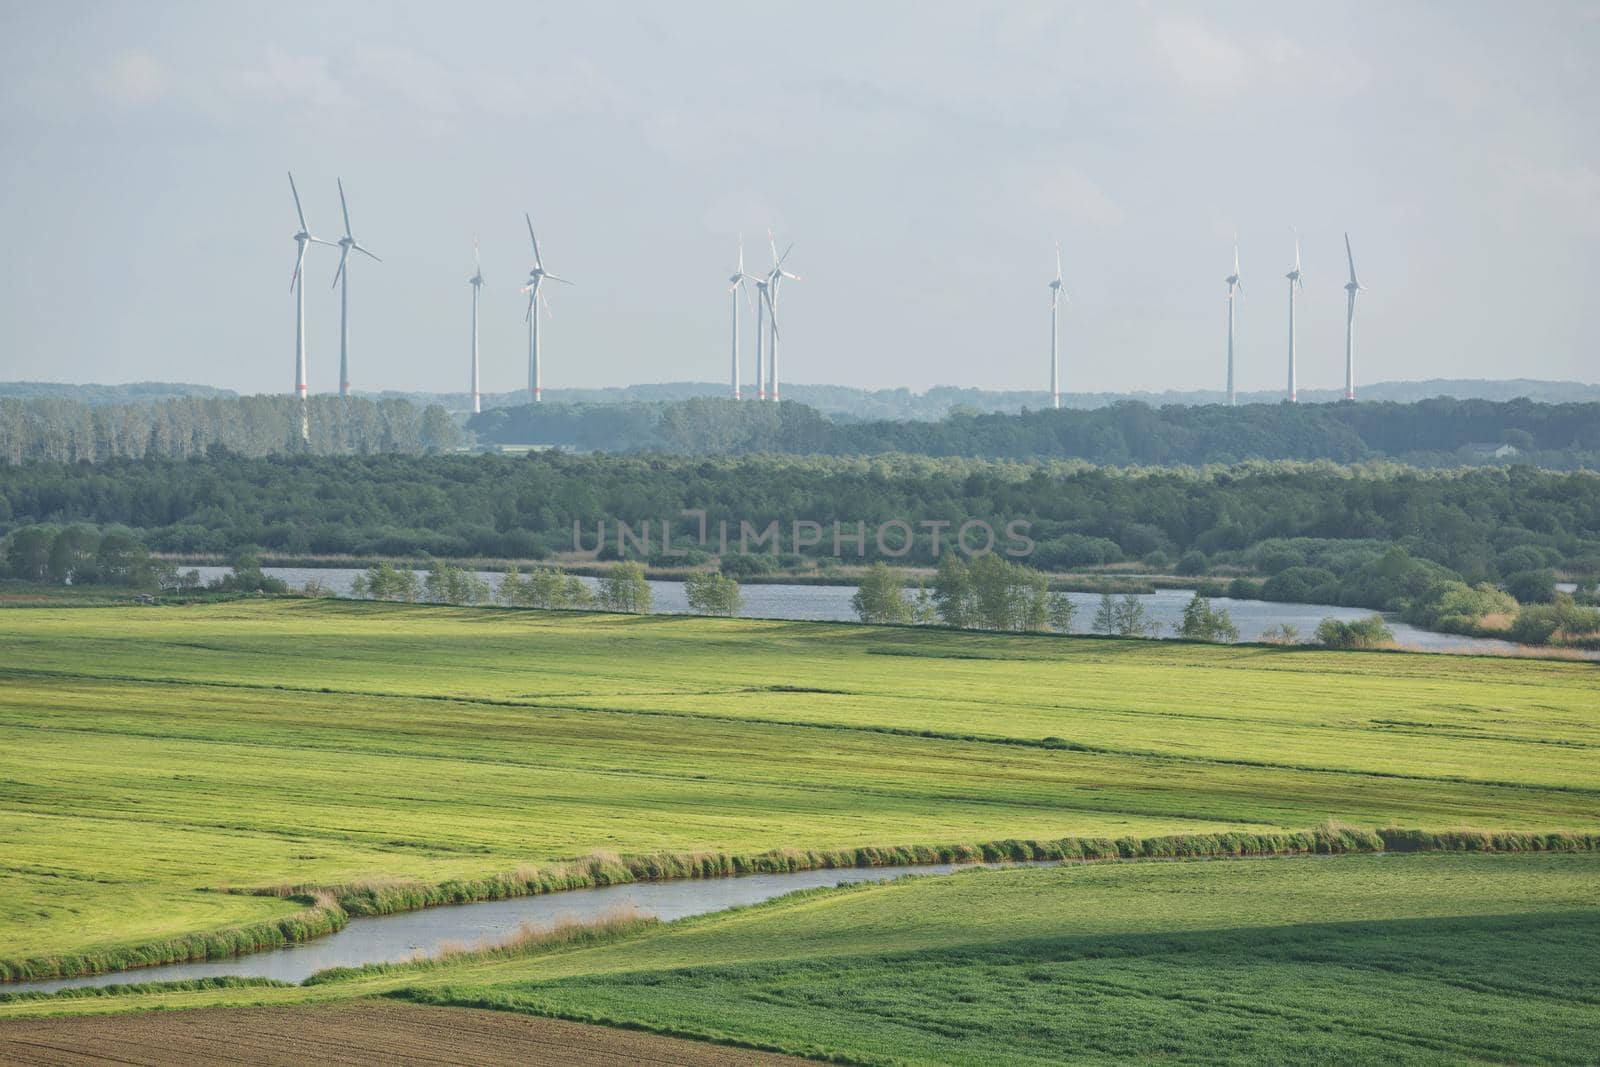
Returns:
<point x="1063" y="612"/>
<point x="1202" y="622"/>
<point x="710" y="593"/>
<point x="881" y="596"/>
<point x="384" y="582"/>
<point x="449" y="584"/>
<point x="1105" y="616"/>
<point x="543" y="587"/>
<point x="624" y="588"/>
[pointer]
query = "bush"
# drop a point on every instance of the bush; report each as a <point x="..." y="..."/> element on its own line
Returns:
<point x="1296" y="585"/>
<point x="1455" y="607"/>
<point x="1193" y="563"/>
<point x="1532" y="587"/>
<point x="1563" y="621"/>
<point x="247" y="577"/>
<point x="1371" y="632"/>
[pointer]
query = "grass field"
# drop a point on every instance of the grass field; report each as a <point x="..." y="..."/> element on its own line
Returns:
<point x="148" y="755"/>
<point x="390" y="754"/>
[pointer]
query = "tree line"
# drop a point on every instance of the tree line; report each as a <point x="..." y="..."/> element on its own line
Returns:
<point x="1434" y="432"/>
<point x="59" y="430"/>
<point x="1300" y="526"/>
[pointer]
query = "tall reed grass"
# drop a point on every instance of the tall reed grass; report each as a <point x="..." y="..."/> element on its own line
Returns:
<point x="330" y="907"/>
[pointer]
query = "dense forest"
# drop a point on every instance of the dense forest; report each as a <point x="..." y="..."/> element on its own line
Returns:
<point x="1487" y="523"/>
<point x="1439" y="432"/>
<point x="61" y="430"/>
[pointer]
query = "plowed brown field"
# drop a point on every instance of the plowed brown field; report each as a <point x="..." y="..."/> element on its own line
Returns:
<point x="367" y="1032"/>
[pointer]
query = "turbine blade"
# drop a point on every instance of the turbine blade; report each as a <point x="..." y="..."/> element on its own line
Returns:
<point x="545" y="300"/>
<point x="344" y="206"/>
<point x="772" y="242"/>
<point x="1351" y="256"/>
<point x="299" y="259"/>
<point x="772" y="311"/>
<point x="297" y="210"/>
<point x="563" y="281"/>
<point x="537" y="261"/>
<point x="1236" y="257"/>
<point x="786" y="251"/>
<point x="529" y="313"/>
<point x="338" y="273"/>
<point x="366" y="251"/>
<point x="477" y="264"/>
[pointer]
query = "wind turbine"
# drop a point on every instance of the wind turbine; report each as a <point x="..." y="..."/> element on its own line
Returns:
<point x="738" y="280"/>
<point x="476" y="281"/>
<point x="1295" y="281"/>
<point x="1056" y="296"/>
<point x="297" y="286"/>
<point x="1352" y="287"/>
<point x="346" y="243"/>
<point x="775" y="279"/>
<point x="1234" y="289"/>
<point x="536" y="277"/>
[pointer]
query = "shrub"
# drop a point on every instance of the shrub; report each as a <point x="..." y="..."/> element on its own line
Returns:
<point x="1193" y="563"/>
<point x="1532" y="587"/>
<point x="1560" y="622"/>
<point x="1371" y="632"/>
<point x="1296" y="584"/>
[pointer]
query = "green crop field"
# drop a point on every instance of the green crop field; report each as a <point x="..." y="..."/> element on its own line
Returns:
<point x="152" y="757"/>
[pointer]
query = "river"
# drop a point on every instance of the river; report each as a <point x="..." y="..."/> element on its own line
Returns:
<point x="412" y="934"/>
<point x="831" y="603"/>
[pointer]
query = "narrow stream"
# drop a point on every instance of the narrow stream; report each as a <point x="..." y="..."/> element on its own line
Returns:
<point x="408" y="935"/>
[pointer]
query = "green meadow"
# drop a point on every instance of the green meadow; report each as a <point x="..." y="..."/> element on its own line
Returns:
<point x="148" y="755"/>
<point x="158" y="764"/>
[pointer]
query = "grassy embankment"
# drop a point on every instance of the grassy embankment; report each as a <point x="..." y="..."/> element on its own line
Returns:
<point x="396" y="755"/>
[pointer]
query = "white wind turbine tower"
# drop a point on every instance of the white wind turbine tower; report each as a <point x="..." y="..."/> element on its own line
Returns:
<point x="1235" y="289"/>
<point x="1056" y="296"/>
<point x="346" y="243"/>
<point x="536" y="278"/>
<point x="476" y="281"/>
<point x="737" y="281"/>
<point x="763" y="303"/>
<point x="297" y="286"/>
<point x="1295" y="281"/>
<point x="775" y="279"/>
<point x="1351" y="289"/>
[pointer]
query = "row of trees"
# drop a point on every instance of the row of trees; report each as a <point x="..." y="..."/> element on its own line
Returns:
<point x="1439" y="431"/>
<point x="622" y="588"/>
<point x="990" y="593"/>
<point x="53" y="429"/>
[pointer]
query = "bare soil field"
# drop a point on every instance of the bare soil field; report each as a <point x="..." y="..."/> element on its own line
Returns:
<point x="370" y="1031"/>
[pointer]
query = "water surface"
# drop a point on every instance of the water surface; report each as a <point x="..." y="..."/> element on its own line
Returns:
<point x="831" y="603"/>
<point x="408" y="935"/>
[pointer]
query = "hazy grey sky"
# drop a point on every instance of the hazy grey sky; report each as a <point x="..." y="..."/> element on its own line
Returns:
<point x="922" y="156"/>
